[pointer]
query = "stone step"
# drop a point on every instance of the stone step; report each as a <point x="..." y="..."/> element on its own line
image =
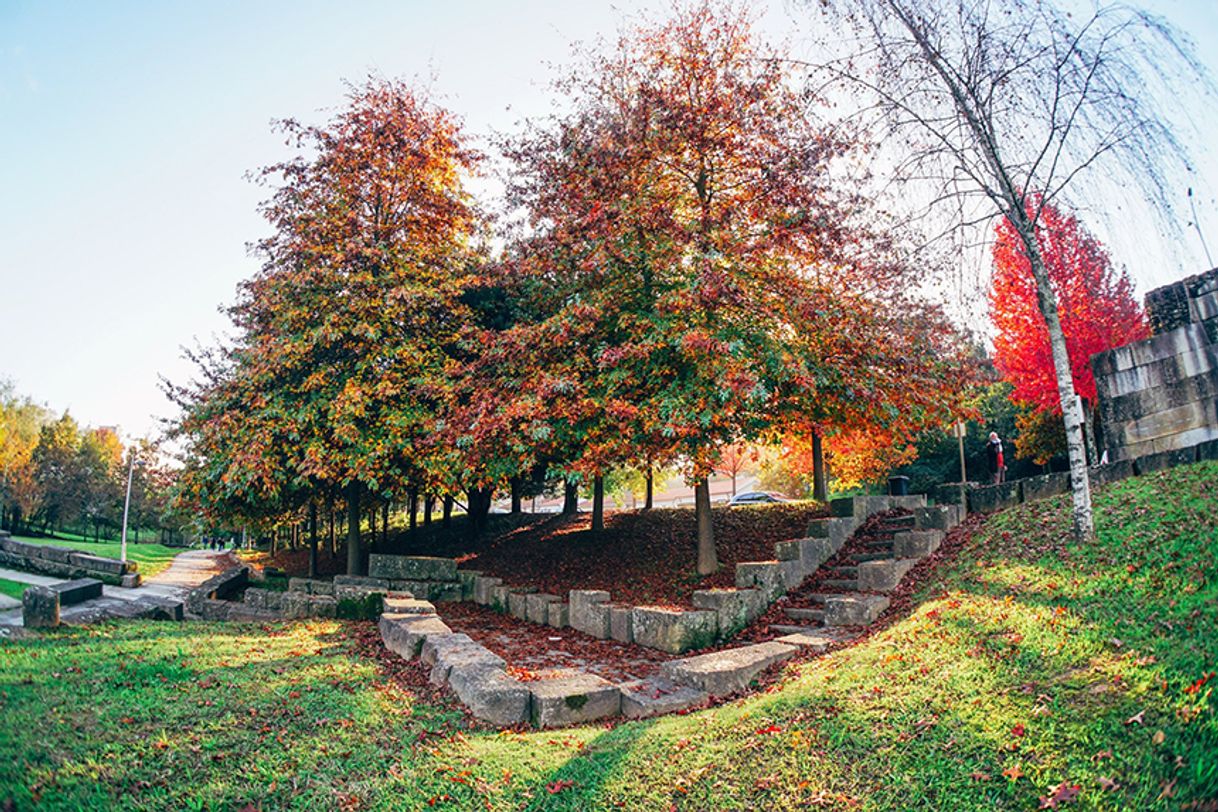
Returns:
<point x="790" y="628"/>
<point x="815" y="640"/>
<point x="723" y="672"/>
<point x="901" y="522"/>
<point x="572" y="698"/>
<point x="844" y="572"/>
<point x="797" y="613"/>
<point x="878" y="544"/>
<point x="841" y="583"/>
<point x="880" y="555"/>
<point x="854" y="610"/>
<point x="653" y="697"/>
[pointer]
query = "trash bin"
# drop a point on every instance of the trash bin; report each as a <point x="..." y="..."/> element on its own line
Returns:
<point x="898" y="486"/>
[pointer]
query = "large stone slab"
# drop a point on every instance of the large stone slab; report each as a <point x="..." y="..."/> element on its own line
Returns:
<point x="218" y="587"/>
<point x="645" y="698"/>
<point x="412" y="567"/>
<point x="95" y="563"/>
<point x="990" y="498"/>
<point x="809" y="640"/>
<point x="1045" y="486"/>
<point x="883" y="576"/>
<point x="539" y="606"/>
<point x="491" y="695"/>
<point x="361" y="580"/>
<point x="40" y="607"/>
<point x="404" y="635"/>
<point x="431" y="590"/>
<point x="809" y="552"/>
<point x="765" y="576"/>
<point x="587" y="614"/>
<point x="408" y="606"/>
<point x="558" y="615"/>
<point x="518" y="605"/>
<point x="1164" y="460"/>
<point x="735" y="608"/>
<point x="78" y="590"/>
<point x="916" y="543"/>
<point x="937" y="517"/>
<point x="1100" y="475"/>
<point x="310" y="586"/>
<point x="673" y="630"/>
<point x="854" y="609"/>
<point x="467" y="578"/>
<point x="572" y="699"/>
<point x="444" y="652"/>
<point x="724" y="672"/>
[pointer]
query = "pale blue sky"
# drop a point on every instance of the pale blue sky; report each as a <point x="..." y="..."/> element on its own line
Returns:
<point x="126" y="129"/>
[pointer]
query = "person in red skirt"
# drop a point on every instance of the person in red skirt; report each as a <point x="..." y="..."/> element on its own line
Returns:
<point x="993" y="452"/>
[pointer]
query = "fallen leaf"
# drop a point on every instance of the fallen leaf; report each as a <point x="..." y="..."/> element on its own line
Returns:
<point x="1107" y="783"/>
<point x="1013" y="772"/>
<point x="1136" y="719"/>
<point x="1063" y="794"/>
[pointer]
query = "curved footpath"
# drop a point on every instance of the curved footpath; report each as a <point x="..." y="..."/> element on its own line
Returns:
<point x="188" y="570"/>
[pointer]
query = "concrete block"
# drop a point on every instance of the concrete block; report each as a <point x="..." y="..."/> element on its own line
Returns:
<point x="573" y="699"/>
<point x="916" y="543"/>
<point x="95" y="563"/>
<point x="412" y="567"/>
<point x="809" y="640"/>
<point x="724" y="672"/>
<point x="518" y="605"/>
<point x="60" y="555"/>
<point x="1164" y="460"/>
<point x="1101" y="475"/>
<point x="1207" y="451"/>
<point x="937" y="517"/>
<point x="645" y="698"/>
<point x="467" y="579"/>
<point x="1045" y="486"/>
<point x="854" y="609"/>
<point x="586" y="613"/>
<point x="130" y="581"/>
<point x="766" y="576"/>
<point x="361" y="580"/>
<point x="673" y="630"/>
<point x="883" y="576"/>
<point x="499" y="597"/>
<point x="482" y="589"/>
<point x="809" y="552"/>
<point x="323" y="606"/>
<point x="404" y="635"/>
<point x="40" y="608"/>
<point x="539" y="606"/>
<point x="621" y="622"/>
<point x="491" y="695"/>
<point x="990" y="498"/>
<point x="445" y="652"/>
<point x="735" y="608"/>
<point x="408" y="606"/>
<point x="558" y="615"/>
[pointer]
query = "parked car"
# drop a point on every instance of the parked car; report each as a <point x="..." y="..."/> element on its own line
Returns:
<point x="757" y="498"/>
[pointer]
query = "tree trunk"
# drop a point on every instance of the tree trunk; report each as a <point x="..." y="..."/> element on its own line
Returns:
<point x="385" y="523"/>
<point x="413" y="499"/>
<point x="598" y="503"/>
<point x="516" y="495"/>
<point x="708" y="559"/>
<point x="355" y="556"/>
<point x="820" y="483"/>
<point x="372" y="524"/>
<point x="1080" y="485"/>
<point x="1093" y="451"/>
<point x="312" y="538"/>
<point x="330" y="518"/>
<point x="570" y="498"/>
<point x="429" y="503"/>
<point x="647" y="503"/>
<point x="448" y="510"/>
<point x="479" y="506"/>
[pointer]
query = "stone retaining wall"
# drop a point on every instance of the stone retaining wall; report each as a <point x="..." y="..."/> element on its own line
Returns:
<point x="718" y="614"/>
<point x="63" y="562"/>
<point x="989" y="498"/>
<point x="1161" y="394"/>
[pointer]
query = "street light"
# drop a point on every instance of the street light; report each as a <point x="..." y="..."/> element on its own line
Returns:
<point x="127" y="504"/>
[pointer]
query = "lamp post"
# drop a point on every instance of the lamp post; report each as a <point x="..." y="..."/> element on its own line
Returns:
<point x="127" y="504"/>
<point x="960" y="429"/>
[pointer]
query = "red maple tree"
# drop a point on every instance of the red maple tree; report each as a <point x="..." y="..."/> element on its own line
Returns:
<point x="1098" y="309"/>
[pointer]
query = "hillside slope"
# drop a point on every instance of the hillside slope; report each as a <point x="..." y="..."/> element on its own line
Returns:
<point x="1029" y="672"/>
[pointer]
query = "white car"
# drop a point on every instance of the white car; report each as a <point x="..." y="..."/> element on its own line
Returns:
<point x="757" y="498"/>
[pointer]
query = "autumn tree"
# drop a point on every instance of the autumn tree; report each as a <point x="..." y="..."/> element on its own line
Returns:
<point x="999" y="109"/>
<point x="1095" y="299"/>
<point x="337" y="375"/>
<point x="705" y="275"/>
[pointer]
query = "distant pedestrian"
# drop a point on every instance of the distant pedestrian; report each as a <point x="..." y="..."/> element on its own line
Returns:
<point x="993" y="453"/>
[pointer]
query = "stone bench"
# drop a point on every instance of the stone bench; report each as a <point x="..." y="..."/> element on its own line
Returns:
<point x="40" y="605"/>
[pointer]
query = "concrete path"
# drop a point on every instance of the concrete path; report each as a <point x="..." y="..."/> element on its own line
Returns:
<point x="188" y="570"/>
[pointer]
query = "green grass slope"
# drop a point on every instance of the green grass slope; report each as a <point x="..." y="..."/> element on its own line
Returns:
<point x="1031" y="672"/>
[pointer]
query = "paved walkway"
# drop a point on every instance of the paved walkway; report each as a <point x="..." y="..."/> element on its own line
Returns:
<point x="188" y="570"/>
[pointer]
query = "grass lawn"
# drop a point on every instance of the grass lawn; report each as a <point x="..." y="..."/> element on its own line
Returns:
<point x="152" y="558"/>
<point x="1029" y="672"/>
<point x="13" y="589"/>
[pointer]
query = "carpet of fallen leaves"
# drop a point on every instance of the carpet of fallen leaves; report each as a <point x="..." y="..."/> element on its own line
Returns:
<point x="533" y="651"/>
<point x="642" y="557"/>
